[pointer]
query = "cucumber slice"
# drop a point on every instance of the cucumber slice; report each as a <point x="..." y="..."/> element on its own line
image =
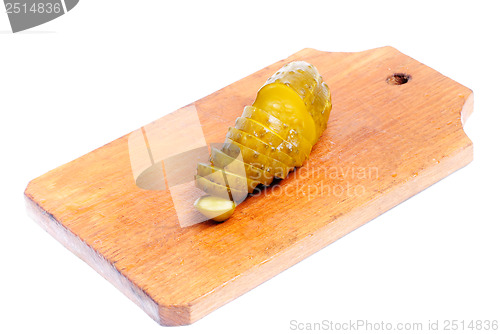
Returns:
<point x="215" y="208"/>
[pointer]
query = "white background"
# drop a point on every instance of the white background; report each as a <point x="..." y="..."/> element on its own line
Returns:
<point x="109" y="67"/>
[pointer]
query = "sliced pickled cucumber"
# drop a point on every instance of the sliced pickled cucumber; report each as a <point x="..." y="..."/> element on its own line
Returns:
<point x="273" y="136"/>
<point x="236" y="166"/>
<point x="306" y="81"/>
<point x="257" y="159"/>
<point x="218" y="190"/>
<point x="219" y="176"/>
<point x="285" y="104"/>
<point x="215" y="208"/>
<point x="292" y="144"/>
<point x="258" y="145"/>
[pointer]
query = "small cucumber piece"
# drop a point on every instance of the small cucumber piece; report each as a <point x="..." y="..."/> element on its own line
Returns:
<point x="215" y="208"/>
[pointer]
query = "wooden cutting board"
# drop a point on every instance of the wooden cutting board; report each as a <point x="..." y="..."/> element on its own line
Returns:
<point x="396" y="128"/>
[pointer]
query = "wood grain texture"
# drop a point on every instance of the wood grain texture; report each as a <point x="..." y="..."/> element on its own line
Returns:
<point x="383" y="144"/>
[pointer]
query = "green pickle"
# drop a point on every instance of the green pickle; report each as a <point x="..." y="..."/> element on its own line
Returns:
<point x="270" y="139"/>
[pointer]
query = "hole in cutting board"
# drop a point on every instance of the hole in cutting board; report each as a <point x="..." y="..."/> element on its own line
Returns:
<point x="398" y="79"/>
